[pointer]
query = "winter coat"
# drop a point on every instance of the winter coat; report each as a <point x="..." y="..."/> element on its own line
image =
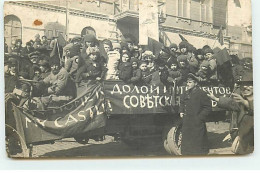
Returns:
<point x="196" y="106"/>
<point x="136" y="77"/>
<point x="125" y="71"/>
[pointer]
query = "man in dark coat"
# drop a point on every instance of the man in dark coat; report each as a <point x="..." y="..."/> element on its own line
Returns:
<point x="195" y="106"/>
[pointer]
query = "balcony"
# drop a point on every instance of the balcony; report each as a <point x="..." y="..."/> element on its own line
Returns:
<point x="127" y="11"/>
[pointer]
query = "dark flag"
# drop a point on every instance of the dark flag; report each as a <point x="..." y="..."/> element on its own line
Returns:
<point x="220" y="36"/>
<point x="224" y="67"/>
<point x="182" y="38"/>
<point x="237" y="2"/>
<point x="222" y="56"/>
<point x="60" y="42"/>
<point x="154" y="46"/>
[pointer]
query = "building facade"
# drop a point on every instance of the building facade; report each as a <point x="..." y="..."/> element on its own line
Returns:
<point x="199" y="21"/>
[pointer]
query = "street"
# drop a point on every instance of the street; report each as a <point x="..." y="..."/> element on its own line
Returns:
<point x="69" y="148"/>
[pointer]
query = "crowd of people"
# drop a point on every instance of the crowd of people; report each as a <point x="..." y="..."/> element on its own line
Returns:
<point x="45" y="74"/>
<point x="85" y="59"/>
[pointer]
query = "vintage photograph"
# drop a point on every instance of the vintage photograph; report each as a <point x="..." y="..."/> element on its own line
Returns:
<point x="128" y="78"/>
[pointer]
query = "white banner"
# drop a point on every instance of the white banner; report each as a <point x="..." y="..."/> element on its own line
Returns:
<point x="148" y="21"/>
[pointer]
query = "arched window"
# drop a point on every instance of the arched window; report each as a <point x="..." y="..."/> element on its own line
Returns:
<point x="88" y="30"/>
<point x="13" y="29"/>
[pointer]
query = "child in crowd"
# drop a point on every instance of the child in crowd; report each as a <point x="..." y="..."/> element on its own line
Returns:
<point x="174" y="73"/>
<point x="184" y="68"/>
<point x="203" y="72"/>
<point x="125" y="69"/>
<point x="137" y="74"/>
<point x="146" y="76"/>
<point x="91" y="68"/>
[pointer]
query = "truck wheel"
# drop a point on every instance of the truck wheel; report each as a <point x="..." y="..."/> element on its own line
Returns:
<point x="174" y="138"/>
<point x="15" y="144"/>
<point x="164" y="139"/>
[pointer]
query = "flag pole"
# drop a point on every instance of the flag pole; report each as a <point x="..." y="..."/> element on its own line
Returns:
<point x="67" y="20"/>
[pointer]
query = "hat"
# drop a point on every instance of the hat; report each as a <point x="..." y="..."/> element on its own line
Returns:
<point x="182" y="58"/>
<point x="199" y="52"/>
<point x="183" y="44"/>
<point x="193" y="77"/>
<point x="116" y="46"/>
<point x="147" y="53"/>
<point x="142" y="62"/>
<point x="208" y="50"/>
<point x="173" y="45"/>
<point x="76" y="38"/>
<point x="159" y="62"/>
<point x="134" y="60"/>
<point x="172" y="61"/>
<point x="108" y="42"/>
<point x="89" y="38"/>
<point x="74" y="49"/>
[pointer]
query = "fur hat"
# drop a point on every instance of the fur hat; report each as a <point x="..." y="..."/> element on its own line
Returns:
<point x="74" y="49"/>
<point x="172" y="61"/>
<point x="182" y="58"/>
<point x="183" y="44"/>
<point x="208" y="50"/>
<point x="89" y="38"/>
<point x="173" y="45"/>
<point x="134" y="60"/>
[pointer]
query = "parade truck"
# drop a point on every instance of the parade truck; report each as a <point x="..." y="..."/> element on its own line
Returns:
<point x="138" y="115"/>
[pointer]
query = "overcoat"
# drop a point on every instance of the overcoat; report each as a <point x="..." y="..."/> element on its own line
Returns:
<point x="196" y="106"/>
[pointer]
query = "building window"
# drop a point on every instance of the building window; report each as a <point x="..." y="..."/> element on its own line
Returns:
<point x="183" y="9"/>
<point x="13" y="29"/>
<point x="206" y="11"/>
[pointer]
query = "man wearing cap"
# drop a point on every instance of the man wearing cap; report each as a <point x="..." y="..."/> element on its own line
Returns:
<point x="45" y="68"/>
<point x="195" y="106"/>
<point x="58" y="83"/>
<point x="71" y="53"/>
<point x="208" y="54"/>
<point x="242" y="104"/>
<point x="11" y="76"/>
